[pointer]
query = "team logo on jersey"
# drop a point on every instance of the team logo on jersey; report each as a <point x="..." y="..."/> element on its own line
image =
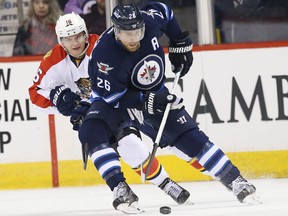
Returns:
<point x="104" y="68"/>
<point x="84" y="85"/>
<point x="148" y="72"/>
<point x="47" y="54"/>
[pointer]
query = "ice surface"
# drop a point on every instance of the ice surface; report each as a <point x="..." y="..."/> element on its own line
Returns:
<point x="210" y="198"/>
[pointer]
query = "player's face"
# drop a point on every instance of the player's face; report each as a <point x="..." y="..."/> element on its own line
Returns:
<point x="131" y="39"/>
<point x="75" y="44"/>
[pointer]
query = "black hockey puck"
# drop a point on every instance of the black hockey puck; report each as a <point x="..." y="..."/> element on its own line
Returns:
<point x="165" y="210"/>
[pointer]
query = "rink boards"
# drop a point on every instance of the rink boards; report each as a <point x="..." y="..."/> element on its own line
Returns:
<point x="239" y="97"/>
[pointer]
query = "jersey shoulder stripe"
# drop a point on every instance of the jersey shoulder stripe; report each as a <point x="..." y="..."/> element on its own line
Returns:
<point x="52" y="57"/>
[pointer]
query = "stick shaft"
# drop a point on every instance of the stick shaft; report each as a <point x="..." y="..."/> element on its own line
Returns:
<point x="161" y="128"/>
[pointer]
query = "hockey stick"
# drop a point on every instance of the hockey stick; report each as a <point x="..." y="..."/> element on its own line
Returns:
<point x="160" y="131"/>
<point x="85" y="153"/>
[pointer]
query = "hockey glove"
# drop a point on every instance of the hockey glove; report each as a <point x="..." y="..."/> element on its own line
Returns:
<point x="78" y="114"/>
<point x="180" y="53"/>
<point x="64" y="99"/>
<point x="156" y="102"/>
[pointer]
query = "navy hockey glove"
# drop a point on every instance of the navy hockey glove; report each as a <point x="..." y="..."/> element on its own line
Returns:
<point x="64" y="99"/>
<point x="180" y="53"/>
<point x="78" y="114"/>
<point x="156" y="102"/>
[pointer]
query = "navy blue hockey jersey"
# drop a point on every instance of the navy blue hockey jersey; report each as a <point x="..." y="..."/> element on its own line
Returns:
<point x="116" y="72"/>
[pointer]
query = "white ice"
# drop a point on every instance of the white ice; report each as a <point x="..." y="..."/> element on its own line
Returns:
<point x="209" y="198"/>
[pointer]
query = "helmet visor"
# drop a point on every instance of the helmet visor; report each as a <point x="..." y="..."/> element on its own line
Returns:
<point x="130" y="35"/>
<point x="74" y="39"/>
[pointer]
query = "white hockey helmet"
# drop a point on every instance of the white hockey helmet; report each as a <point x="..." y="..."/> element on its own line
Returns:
<point x="68" y="25"/>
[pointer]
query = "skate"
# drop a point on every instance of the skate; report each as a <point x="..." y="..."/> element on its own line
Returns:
<point x="178" y="194"/>
<point x="125" y="200"/>
<point x="244" y="191"/>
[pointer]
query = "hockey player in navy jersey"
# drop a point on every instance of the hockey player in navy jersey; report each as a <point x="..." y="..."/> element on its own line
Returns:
<point x="62" y="82"/>
<point x="127" y="69"/>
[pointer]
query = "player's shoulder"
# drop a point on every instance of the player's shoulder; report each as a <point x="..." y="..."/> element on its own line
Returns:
<point x="106" y="43"/>
<point x="156" y="9"/>
<point x="107" y="36"/>
<point x="92" y="38"/>
<point x="108" y="53"/>
<point x="53" y="57"/>
<point x="156" y="15"/>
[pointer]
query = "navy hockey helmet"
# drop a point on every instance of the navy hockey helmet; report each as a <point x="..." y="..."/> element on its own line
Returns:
<point x="127" y="17"/>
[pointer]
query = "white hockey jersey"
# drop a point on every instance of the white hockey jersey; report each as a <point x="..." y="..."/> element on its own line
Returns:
<point x="56" y="68"/>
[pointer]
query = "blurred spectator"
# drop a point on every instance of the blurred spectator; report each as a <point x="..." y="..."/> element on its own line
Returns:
<point x="139" y="3"/>
<point x="240" y="21"/>
<point x="79" y="6"/>
<point x="37" y="34"/>
<point x="96" y="19"/>
<point x="62" y="4"/>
